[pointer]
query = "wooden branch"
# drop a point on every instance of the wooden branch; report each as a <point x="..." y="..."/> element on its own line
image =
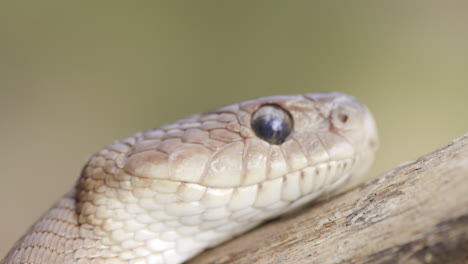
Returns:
<point x="415" y="213"/>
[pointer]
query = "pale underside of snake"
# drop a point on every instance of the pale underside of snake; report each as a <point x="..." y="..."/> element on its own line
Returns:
<point x="166" y="194"/>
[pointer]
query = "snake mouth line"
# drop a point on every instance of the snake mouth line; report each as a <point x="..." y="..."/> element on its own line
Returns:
<point x="321" y="174"/>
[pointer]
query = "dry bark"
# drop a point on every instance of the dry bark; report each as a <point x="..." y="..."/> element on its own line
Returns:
<point x="415" y="213"/>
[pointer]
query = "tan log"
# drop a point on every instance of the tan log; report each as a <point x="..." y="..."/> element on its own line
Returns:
<point x="415" y="213"/>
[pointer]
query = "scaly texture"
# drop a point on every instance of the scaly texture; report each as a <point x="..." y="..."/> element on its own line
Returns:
<point x="164" y="195"/>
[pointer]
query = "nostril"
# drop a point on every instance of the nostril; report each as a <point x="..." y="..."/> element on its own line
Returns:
<point x="343" y="118"/>
<point x="346" y="117"/>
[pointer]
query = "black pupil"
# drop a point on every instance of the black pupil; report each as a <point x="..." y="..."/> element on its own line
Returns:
<point x="272" y="123"/>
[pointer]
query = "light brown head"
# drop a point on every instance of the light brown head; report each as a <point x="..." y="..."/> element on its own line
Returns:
<point x="222" y="172"/>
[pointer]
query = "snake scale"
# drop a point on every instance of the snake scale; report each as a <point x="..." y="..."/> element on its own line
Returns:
<point x="166" y="194"/>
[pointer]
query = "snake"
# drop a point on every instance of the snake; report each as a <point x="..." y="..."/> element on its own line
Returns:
<point x="166" y="194"/>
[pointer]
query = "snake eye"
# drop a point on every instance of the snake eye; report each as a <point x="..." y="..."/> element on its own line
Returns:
<point x="272" y="123"/>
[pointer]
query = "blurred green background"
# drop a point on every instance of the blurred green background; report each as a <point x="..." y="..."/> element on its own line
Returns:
<point x="75" y="76"/>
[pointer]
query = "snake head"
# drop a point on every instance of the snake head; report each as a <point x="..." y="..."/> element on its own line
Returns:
<point x="192" y="184"/>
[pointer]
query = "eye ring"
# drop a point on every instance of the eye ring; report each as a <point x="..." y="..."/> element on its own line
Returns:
<point x="272" y="123"/>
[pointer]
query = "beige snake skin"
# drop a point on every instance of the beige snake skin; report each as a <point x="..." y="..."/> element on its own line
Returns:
<point x="166" y="194"/>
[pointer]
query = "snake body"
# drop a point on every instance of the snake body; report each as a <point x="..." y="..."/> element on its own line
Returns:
<point x="166" y="194"/>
